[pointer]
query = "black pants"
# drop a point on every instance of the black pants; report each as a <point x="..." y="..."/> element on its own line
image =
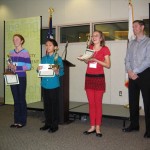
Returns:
<point x="51" y="106"/>
<point x="135" y="86"/>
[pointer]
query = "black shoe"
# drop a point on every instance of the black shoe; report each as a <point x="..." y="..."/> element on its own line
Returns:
<point x="45" y="128"/>
<point x="52" y="130"/>
<point x="13" y="125"/>
<point x="130" y="129"/>
<point x="87" y="132"/>
<point x="99" y="134"/>
<point x="146" y="135"/>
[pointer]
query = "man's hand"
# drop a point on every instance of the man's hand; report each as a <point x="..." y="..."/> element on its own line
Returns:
<point x="132" y="75"/>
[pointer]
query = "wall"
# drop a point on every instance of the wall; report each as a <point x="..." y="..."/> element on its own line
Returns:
<point x="69" y="12"/>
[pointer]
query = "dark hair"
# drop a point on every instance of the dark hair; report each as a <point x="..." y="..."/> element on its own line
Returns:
<point x="53" y="41"/>
<point x="21" y="37"/>
<point x="140" y="22"/>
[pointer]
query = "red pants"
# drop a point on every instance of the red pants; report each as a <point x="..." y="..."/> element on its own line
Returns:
<point x="95" y="106"/>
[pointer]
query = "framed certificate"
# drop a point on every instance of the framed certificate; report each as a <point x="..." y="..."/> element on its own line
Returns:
<point x="11" y="79"/>
<point x="46" y="71"/>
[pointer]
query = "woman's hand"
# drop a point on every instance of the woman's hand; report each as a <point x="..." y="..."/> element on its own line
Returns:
<point x="12" y="67"/>
<point x="79" y="58"/>
<point x="56" y="70"/>
<point x="93" y="59"/>
<point x="39" y="68"/>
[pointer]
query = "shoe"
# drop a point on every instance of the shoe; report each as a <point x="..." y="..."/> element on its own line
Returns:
<point x="99" y="134"/>
<point x="19" y="126"/>
<point x="87" y="132"/>
<point x="130" y="129"/>
<point x="146" y="135"/>
<point x="52" y="130"/>
<point x="13" y="125"/>
<point x="45" y="128"/>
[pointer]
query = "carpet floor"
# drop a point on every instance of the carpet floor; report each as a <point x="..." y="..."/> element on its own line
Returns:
<point x="69" y="136"/>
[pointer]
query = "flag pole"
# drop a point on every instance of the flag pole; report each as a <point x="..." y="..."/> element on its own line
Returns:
<point x="50" y="34"/>
<point x="130" y="37"/>
<point x="50" y="10"/>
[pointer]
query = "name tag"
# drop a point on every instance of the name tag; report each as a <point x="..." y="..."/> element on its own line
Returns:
<point x="93" y="65"/>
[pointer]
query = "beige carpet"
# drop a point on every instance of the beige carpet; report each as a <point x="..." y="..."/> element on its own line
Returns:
<point x="69" y="136"/>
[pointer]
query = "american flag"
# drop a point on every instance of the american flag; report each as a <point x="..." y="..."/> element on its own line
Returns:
<point x="50" y="30"/>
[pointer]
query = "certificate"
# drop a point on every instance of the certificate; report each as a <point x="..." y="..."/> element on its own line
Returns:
<point x="11" y="79"/>
<point x="87" y="54"/>
<point x="46" y="70"/>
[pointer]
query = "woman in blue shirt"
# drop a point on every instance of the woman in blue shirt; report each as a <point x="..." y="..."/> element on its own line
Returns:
<point x="50" y="86"/>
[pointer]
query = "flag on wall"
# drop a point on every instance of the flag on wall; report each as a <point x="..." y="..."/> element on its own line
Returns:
<point x="50" y="30"/>
<point x="131" y="35"/>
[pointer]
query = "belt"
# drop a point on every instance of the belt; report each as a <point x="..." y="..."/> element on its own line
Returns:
<point x="95" y="75"/>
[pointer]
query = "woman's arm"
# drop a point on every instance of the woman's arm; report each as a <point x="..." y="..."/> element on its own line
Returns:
<point x="106" y="63"/>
